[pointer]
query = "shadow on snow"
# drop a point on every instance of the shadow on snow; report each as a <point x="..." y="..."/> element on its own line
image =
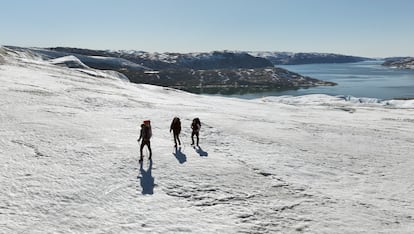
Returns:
<point x="200" y="151"/>
<point x="179" y="155"/>
<point x="146" y="179"/>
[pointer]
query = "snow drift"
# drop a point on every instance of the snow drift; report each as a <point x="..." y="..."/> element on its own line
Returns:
<point x="69" y="61"/>
<point x="69" y="159"/>
<point x="322" y="99"/>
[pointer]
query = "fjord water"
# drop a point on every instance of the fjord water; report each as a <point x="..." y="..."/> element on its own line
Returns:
<point x="363" y="79"/>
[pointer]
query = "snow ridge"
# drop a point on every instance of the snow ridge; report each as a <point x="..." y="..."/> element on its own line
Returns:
<point x="69" y="61"/>
<point x="322" y="99"/>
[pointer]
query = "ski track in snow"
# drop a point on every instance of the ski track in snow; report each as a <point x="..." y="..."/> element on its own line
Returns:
<point x="69" y="161"/>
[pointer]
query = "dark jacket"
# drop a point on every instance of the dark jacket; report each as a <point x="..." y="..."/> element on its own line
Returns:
<point x="145" y="133"/>
<point x="196" y="125"/>
<point x="176" y="126"/>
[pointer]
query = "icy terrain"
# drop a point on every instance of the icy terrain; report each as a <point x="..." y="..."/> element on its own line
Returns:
<point x="311" y="164"/>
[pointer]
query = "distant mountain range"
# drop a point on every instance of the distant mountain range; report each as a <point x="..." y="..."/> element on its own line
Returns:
<point x="216" y="59"/>
<point x="195" y="70"/>
<point x="161" y="61"/>
<point x="288" y="58"/>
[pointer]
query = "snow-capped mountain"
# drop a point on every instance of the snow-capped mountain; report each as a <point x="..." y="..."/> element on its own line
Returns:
<point x="217" y="59"/>
<point x="184" y="71"/>
<point x="195" y="61"/>
<point x="309" y="164"/>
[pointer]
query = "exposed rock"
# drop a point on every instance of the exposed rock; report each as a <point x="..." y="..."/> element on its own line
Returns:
<point x="401" y="63"/>
<point x="264" y="78"/>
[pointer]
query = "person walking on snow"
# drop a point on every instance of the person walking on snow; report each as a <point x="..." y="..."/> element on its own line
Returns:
<point x="145" y="135"/>
<point x="195" y="126"/>
<point x="176" y="128"/>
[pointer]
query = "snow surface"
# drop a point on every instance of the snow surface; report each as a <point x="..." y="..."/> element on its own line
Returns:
<point x="310" y="164"/>
<point x="57" y="57"/>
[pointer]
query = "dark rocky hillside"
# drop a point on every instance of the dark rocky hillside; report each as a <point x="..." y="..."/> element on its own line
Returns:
<point x="197" y="61"/>
<point x="400" y="62"/>
<point x="259" y="77"/>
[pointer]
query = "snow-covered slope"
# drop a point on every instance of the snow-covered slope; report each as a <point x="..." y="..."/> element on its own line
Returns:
<point x="69" y="61"/>
<point x="311" y="164"/>
<point x="98" y="62"/>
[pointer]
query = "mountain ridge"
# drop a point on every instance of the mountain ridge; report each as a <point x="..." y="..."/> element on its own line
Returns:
<point x="184" y="71"/>
<point x="290" y="58"/>
<point x="174" y="60"/>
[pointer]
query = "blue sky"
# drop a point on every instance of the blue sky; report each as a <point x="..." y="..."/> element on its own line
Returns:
<point x="375" y="28"/>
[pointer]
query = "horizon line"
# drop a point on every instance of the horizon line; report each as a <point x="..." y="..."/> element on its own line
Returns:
<point x="208" y="51"/>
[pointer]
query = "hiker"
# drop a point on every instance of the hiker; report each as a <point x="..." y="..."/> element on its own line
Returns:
<point x="176" y="128"/>
<point x="145" y="135"/>
<point x="195" y="126"/>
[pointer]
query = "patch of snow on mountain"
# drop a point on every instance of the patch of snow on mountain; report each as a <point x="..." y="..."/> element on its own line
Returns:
<point x="112" y="60"/>
<point x="265" y="54"/>
<point x="69" y="61"/>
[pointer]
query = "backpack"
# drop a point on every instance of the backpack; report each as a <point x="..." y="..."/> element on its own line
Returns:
<point x="196" y="125"/>
<point x="176" y="124"/>
<point x="197" y="120"/>
<point x="146" y="131"/>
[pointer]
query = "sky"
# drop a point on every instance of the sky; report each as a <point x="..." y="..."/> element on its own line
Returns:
<point x="373" y="28"/>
